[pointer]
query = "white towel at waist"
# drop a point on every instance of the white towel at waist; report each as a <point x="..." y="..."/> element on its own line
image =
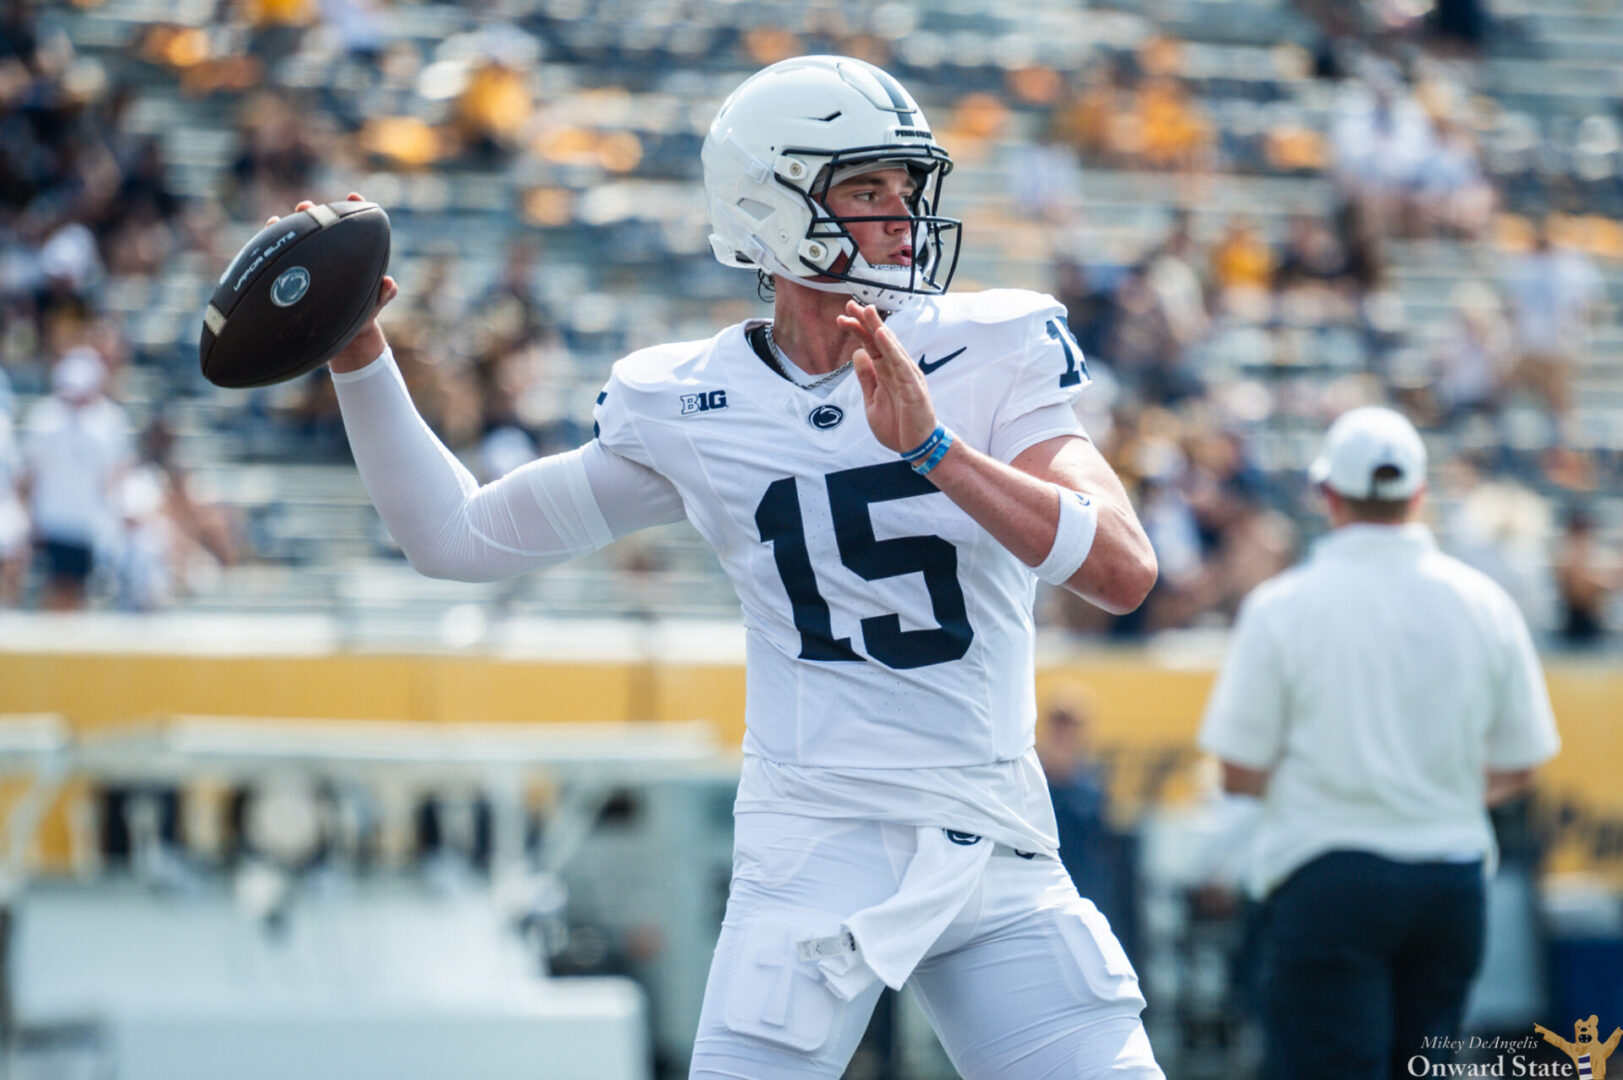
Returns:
<point x="888" y="940"/>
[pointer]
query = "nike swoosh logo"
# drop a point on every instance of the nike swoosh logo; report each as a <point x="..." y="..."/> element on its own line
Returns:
<point x="926" y="366"/>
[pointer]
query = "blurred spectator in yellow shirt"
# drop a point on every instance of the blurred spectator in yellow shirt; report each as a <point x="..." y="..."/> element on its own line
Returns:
<point x="495" y="108"/>
<point x="1174" y="133"/>
<point x="1242" y="266"/>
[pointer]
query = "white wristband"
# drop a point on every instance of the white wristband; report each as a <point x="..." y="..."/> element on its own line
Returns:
<point x="1078" y="522"/>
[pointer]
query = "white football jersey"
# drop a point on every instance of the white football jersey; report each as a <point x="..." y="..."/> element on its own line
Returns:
<point x="885" y="628"/>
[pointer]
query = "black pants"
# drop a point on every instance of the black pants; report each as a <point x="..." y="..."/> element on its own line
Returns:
<point x="1363" y="958"/>
<point x="66" y="561"/>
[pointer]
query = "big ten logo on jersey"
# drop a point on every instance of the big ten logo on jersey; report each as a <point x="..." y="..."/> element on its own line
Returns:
<point x="703" y="401"/>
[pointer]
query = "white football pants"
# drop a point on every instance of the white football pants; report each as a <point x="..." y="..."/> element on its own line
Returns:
<point x="1027" y="982"/>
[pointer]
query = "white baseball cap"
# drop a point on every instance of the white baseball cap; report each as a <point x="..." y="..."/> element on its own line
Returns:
<point x="1363" y="442"/>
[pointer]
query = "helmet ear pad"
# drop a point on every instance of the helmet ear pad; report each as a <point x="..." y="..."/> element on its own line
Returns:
<point x="828" y="247"/>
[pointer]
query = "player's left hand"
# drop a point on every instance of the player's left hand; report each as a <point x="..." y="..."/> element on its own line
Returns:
<point x="900" y="412"/>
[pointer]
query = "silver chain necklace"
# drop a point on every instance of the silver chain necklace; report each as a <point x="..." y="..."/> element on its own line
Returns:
<point x="784" y="364"/>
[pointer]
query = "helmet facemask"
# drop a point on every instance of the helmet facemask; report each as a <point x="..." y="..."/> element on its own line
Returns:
<point x="829" y="252"/>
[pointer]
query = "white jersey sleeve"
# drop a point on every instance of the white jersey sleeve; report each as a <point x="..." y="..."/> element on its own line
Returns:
<point x="1003" y="367"/>
<point x="614" y="421"/>
<point x="1047" y="367"/>
<point x="1040" y="425"/>
<point x="1522" y="734"/>
<point x="545" y="512"/>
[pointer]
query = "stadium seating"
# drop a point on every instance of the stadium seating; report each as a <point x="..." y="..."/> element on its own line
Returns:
<point x="600" y="173"/>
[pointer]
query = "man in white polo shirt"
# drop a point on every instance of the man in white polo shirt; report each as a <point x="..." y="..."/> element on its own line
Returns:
<point x="1378" y="698"/>
<point x="77" y="447"/>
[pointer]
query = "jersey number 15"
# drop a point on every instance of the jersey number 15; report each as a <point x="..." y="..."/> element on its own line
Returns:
<point x="850" y="492"/>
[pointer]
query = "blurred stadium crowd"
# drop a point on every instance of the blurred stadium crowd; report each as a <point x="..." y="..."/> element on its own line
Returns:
<point x="1257" y="212"/>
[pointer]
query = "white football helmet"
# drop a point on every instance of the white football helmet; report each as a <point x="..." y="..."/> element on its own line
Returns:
<point x="778" y="143"/>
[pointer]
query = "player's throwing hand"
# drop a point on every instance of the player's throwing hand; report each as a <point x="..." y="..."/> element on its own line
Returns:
<point x="893" y="388"/>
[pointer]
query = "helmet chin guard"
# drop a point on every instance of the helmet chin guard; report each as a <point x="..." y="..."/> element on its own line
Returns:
<point x="783" y="138"/>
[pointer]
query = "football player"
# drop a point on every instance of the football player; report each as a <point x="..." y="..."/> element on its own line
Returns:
<point x="885" y="471"/>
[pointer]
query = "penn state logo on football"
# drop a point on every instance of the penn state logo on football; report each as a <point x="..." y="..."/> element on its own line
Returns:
<point x="290" y="286"/>
<point x="825" y="416"/>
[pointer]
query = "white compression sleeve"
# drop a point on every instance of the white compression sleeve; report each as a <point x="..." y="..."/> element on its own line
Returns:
<point x="545" y="512"/>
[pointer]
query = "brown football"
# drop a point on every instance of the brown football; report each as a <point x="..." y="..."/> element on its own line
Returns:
<point x="295" y="295"/>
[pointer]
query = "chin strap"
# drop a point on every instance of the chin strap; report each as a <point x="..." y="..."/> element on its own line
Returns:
<point x="881" y="297"/>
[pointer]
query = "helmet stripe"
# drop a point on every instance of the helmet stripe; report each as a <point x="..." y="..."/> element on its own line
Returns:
<point x="898" y="97"/>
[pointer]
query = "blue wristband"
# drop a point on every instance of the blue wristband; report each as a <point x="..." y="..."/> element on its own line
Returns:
<point x="929" y="454"/>
<point x="923" y="449"/>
